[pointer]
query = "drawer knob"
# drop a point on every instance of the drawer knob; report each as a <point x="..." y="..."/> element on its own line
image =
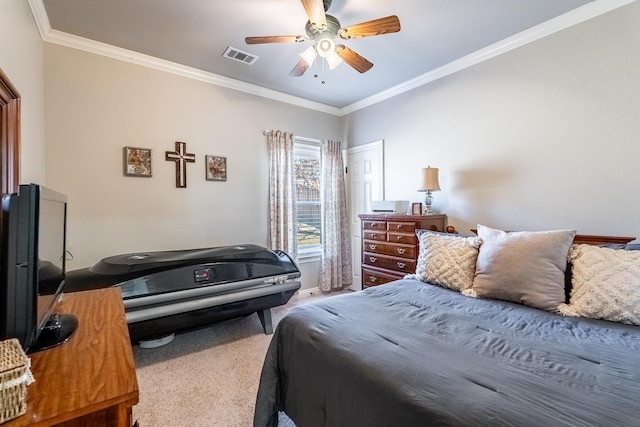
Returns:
<point x="373" y="224"/>
<point x="373" y="247"/>
<point x="399" y="238"/>
<point x="401" y="251"/>
<point x="399" y="226"/>
<point x="373" y="279"/>
<point x="372" y="259"/>
<point x="401" y="265"/>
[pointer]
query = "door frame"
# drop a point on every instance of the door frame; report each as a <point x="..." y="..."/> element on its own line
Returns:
<point x="347" y="152"/>
<point x="9" y="136"/>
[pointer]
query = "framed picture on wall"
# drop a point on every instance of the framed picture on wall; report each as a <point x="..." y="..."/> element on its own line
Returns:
<point x="416" y="208"/>
<point x="216" y="168"/>
<point x="137" y="162"/>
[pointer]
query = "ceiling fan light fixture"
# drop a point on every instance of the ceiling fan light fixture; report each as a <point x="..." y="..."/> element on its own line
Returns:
<point x="309" y="55"/>
<point x="323" y="30"/>
<point x="333" y="60"/>
<point x="325" y="47"/>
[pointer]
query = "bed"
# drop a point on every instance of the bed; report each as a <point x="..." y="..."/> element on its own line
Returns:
<point x="415" y="353"/>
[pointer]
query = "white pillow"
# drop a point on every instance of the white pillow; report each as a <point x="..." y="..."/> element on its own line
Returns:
<point x="605" y="284"/>
<point x="526" y="267"/>
<point x="447" y="260"/>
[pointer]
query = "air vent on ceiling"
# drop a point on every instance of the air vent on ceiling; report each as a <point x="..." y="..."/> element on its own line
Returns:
<point x="240" y="56"/>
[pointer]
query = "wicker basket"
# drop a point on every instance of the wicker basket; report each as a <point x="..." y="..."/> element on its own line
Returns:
<point x="15" y="376"/>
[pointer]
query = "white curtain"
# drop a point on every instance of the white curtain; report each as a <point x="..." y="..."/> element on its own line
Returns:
<point x="282" y="204"/>
<point x="335" y="265"/>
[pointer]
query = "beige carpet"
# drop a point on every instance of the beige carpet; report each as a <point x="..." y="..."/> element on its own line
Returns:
<point x="207" y="377"/>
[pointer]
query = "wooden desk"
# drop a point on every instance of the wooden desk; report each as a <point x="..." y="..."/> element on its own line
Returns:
<point x="90" y="380"/>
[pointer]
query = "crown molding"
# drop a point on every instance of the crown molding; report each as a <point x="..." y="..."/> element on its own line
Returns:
<point x="114" y="52"/>
<point x="92" y="46"/>
<point x="40" y="16"/>
<point x="569" y="19"/>
<point x="559" y="23"/>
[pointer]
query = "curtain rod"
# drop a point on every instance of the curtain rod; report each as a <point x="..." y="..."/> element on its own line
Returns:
<point x="310" y="141"/>
<point x="266" y="132"/>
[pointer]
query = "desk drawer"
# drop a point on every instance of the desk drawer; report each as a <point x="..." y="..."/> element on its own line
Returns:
<point x="393" y="263"/>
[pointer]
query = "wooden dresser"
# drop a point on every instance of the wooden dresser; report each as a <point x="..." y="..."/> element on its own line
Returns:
<point x="90" y="380"/>
<point x="390" y="246"/>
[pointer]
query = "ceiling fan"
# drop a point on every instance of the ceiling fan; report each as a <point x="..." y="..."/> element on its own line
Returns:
<point x="322" y="29"/>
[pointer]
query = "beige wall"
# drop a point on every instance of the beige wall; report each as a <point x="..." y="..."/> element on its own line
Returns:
<point x="21" y="61"/>
<point x="96" y="105"/>
<point x="545" y="136"/>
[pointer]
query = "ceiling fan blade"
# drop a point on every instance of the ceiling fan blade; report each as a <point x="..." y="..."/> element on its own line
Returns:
<point x="351" y="57"/>
<point x="299" y="69"/>
<point x="273" y="39"/>
<point x="315" y="12"/>
<point x="389" y="24"/>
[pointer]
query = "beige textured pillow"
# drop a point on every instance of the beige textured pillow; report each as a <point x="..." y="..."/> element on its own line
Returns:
<point x="605" y="284"/>
<point x="526" y="267"/>
<point x="447" y="260"/>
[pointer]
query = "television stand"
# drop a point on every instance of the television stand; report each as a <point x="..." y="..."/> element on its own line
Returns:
<point x="57" y="330"/>
<point x="90" y="380"/>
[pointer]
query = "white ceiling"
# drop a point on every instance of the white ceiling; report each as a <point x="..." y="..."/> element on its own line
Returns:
<point x="435" y="36"/>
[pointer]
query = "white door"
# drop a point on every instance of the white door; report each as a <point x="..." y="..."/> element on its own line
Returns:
<point x="364" y="182"/>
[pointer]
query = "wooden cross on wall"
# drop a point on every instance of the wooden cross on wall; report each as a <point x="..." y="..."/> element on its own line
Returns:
<point x="181" y="157"/>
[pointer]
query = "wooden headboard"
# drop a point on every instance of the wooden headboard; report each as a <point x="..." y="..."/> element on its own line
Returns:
<point x="601" y="240"/>
<point x="595" y="240"/>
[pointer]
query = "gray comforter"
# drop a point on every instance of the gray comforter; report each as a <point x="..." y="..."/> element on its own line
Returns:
<point x="412" y="354"/>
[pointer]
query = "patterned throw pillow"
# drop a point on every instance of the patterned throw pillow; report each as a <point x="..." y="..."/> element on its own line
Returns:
<point x="526" y="267"/>
<point x="447" y="260"/>
<point x="605" y="284"/>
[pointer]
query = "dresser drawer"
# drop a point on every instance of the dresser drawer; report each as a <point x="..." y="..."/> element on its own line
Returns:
<point x="371" y="277"/>
<point x="390" y="246"/>
<point x="407" y="239"/>
<point x="374" y="225"/>
<point x="433" y="224"/>
<point x="401" y="227"/>
<point x="380" y="236"/>
<point x="403" y="251"/>
<point x="384" y="261"/>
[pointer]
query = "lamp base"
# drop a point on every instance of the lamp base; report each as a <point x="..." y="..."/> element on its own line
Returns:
<point x="427" y="204"/>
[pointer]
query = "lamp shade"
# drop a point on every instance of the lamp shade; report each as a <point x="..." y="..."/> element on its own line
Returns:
<point x="429" y="180"/>
<point x="333" y="60"/>
<point x="309" y="55"/>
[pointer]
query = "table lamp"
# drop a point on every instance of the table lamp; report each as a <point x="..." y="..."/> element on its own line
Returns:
<point x="428" y="184"/>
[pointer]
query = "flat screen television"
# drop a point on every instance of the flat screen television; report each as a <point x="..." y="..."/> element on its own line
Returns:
<point x="33" y="231"/>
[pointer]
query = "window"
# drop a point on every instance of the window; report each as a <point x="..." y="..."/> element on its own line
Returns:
<point x="306" y="160"/>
